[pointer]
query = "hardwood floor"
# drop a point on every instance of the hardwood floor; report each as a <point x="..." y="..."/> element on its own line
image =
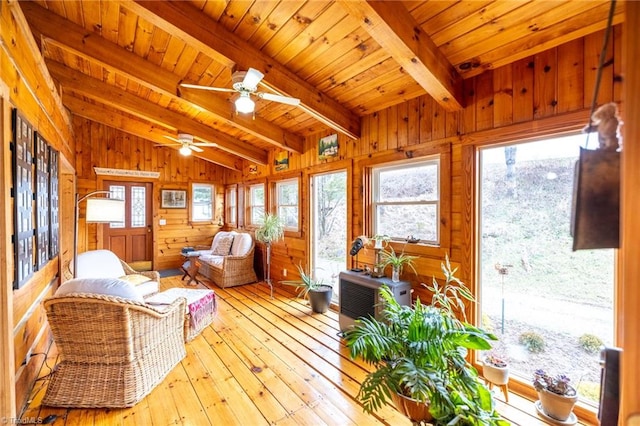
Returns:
<point x="262" y="361"/>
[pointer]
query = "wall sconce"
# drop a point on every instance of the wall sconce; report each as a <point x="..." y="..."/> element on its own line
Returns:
<point x="99" y="210"/>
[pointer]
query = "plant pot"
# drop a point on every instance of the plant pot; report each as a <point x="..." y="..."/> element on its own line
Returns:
<point x="556" y="406"/>
<point x="496" y="375"/>
<point x="415" y="410"/>
<point x="320" y="299"/>
<point x="395" y="274"/>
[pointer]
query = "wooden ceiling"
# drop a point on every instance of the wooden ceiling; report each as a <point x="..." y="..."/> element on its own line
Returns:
<point x="121" y="62"/>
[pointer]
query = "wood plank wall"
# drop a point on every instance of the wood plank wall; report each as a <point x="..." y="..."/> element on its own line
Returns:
<point x="102" y="146"/>
<point x="549" y="93"/>
<point x="27" y="86"/>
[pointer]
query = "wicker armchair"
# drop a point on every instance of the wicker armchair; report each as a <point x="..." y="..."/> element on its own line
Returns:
<point x="232" y="269"/>
<point x="113" y="351"/>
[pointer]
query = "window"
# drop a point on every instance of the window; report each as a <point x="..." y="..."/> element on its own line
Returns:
<point x="231" y="205"/>
<point x="256" y="203"/>
<point x="550" y="307"/>
<point x="201" y="202"/>
<point x="287" y="203"/>
<point x="406" y="200"/>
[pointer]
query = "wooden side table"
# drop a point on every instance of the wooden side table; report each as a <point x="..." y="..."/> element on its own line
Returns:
<point x="191" y="267"/>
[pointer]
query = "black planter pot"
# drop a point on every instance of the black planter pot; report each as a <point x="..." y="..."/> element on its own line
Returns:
<point x="320" y="299"/>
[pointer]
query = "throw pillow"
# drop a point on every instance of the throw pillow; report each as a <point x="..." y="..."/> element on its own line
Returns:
<point x="224" y="246"/>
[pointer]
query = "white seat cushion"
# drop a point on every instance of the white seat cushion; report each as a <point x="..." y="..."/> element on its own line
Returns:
<point x="241" y="244"/>
<point x="212" y="260"/>
<point x="99" y="264"/>
<point x="107" y="286"/>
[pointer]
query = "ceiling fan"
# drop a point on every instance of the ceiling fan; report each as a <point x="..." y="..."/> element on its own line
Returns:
<point x="187" y="144"/>
<point x="246" y="84"/>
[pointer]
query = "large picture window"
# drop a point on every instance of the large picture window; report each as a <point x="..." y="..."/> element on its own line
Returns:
<point x="406" y="200"/>
<point x="550" y="307"/>
<point x="256" y="204"/>
<point x="287" y="200"/>
<point x="201" y="202"/>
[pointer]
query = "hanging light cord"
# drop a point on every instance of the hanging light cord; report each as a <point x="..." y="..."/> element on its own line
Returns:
<point x="603" y="54"/>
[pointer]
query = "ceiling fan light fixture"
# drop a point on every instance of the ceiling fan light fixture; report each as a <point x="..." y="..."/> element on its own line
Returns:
<point x="244" y="103"/>
<point x="185" y="150"/>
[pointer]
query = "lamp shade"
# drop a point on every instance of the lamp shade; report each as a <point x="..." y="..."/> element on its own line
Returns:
<point x="101" y="210"/>
<point x="244" y="103"/>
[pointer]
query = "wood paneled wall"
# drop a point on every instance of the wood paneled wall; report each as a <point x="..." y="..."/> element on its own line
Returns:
<point x="538" y="96"/>
<point x="25" y="84"/>
<point x="102" y="146"/>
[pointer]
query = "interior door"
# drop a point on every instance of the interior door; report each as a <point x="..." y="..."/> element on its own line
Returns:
<point x="132" y="240"/>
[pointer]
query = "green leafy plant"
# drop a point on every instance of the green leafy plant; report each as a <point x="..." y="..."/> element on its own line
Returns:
<point x="590" y="343"/>
<point x="271" y="229"/>
<point x="532" y="341"/>
<point x="396" y="260"/>
<point x="452" y="294"/>
<point x="419" y="351"/>
<point x="306" y="283"/>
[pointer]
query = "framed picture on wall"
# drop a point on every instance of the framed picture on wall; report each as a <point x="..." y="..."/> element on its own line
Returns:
<point x="173" y="199"/>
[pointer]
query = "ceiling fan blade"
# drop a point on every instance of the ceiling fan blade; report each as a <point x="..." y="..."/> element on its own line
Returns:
<point x="213" y="89"/>
<point x="195" y="148"/>
<point x="279" y="98"/>
<point x="204" y="144"/>
<point x="252" y="78"/>
<point x="172" y="138"/>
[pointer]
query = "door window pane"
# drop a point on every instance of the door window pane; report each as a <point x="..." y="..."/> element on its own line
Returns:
<point x="138" y="207"/>
<point x="550" y="306"/>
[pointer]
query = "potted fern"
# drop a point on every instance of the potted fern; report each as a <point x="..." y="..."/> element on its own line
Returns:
<point x="418" y="354"/>
<point x="317" y="291"/>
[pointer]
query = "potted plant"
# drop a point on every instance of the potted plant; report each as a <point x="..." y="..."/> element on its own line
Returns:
<point x="495" y="369"/>
<point x="418" y="354"/>
<point x="271" y="230"/>
<point x="556" y="396"/>
<point x="319" y="293"/>
<point x="396" y="261"/>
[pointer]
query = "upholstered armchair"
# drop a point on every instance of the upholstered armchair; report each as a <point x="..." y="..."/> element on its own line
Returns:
<point x="105" y="264"/>
<point x="113" y="350"/>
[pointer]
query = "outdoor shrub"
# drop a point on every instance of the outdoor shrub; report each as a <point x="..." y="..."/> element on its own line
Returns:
<point x="487" y="324"/>
<point x="589" y="390"/>
<point x="590" y="343"/>
<point x="532" y="341"/>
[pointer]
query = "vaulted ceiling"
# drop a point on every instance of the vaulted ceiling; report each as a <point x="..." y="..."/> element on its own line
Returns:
<point x="121" y="63"/>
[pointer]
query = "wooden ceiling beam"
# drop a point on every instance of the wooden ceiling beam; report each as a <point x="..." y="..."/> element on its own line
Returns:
<point x="122" y="100"/>
<point x="142" y="129"/>
<point x="393" y="27"/>
<point x="188" y="23"/>
<point x="114" y="58"/>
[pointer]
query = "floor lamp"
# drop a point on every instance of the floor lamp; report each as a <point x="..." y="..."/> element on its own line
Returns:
<point x="99" y="210"/>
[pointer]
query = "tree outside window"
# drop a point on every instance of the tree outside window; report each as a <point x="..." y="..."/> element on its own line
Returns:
<point x="256" y="204"/>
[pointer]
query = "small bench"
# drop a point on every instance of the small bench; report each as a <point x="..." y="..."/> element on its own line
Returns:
<point x="201" y="307"/>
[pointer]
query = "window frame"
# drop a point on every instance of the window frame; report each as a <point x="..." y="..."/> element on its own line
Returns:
<point x="249" y="207"/>
<point x="192" y="202"/>
<point x="231" y="218"/>
<point x="276" y="201"/>
<point x="375" y="171"/>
